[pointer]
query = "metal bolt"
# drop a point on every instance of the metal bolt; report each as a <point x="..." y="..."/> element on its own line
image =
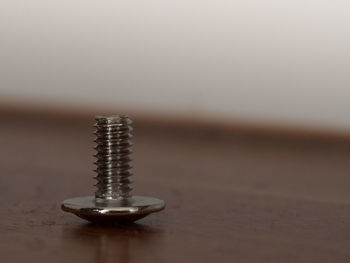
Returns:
<point x="113" y="201"/>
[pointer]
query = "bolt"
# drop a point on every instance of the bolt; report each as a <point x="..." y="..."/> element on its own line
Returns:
<point x="113" y="201"/>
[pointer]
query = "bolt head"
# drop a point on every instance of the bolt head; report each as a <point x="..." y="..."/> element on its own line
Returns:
<point x="113" y="211"/>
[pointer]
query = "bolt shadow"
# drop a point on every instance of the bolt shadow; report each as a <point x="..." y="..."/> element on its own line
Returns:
<point x="110" y="243"/>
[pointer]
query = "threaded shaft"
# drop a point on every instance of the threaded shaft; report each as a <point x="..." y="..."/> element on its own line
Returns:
<point x="113" y="139"/>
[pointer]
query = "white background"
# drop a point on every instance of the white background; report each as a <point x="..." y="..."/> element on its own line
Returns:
<point x="284" y="61"/>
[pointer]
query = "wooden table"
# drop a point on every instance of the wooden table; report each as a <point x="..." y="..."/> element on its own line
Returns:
<point x="231" y="196"/>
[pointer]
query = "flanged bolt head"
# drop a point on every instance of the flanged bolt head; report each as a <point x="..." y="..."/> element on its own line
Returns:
<point x="113" y="201"/>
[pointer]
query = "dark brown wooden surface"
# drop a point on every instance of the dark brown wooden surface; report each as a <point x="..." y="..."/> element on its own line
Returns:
<point x="231" y="197"/>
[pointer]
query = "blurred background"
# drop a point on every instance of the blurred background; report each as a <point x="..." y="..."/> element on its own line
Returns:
<point x="276" y="62"/>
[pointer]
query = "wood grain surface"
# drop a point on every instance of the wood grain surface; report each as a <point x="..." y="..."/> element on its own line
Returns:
<point x="231" y="196"/>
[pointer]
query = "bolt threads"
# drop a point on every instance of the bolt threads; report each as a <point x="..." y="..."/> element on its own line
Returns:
<point x="113" y="139"/>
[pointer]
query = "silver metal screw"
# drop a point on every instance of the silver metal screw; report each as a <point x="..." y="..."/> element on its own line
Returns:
<point x="113" y="201"/>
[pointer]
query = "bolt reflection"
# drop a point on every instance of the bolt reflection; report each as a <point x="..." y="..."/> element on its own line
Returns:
<point x="111" y="243"/>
